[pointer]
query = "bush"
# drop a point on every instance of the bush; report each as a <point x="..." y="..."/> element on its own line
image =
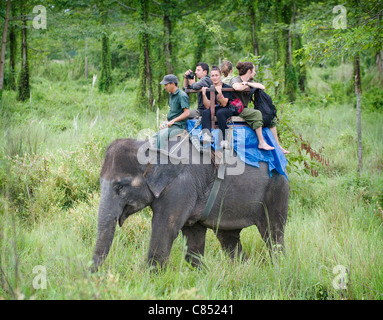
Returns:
<point x="372" y="100"/>
<point x="38" y="184"/>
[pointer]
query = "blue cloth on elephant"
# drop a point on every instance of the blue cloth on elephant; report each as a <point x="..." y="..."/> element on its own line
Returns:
<point x="245" y="143"/>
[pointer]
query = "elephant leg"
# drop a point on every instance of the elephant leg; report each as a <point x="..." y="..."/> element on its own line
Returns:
<point x="170" y="213"/>
<point x="161" y="243"/>
<point x="195" y="236"/>
<point x="230" y="241"/>
<point x="166" y="225"/>
<point x="272" y="232"/>
<point x="275" y="212"/>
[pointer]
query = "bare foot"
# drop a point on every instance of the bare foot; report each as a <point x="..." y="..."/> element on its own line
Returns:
<point x="265" y="146"/>
<point x="284" y="150"/>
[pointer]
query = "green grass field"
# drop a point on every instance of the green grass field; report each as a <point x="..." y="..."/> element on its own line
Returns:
<point x="51" y="151"/>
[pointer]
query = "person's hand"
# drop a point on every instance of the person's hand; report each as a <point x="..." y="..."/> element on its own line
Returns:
<point x="170" y="123"/>
<point x="189" y="81"/>
<point x="163" y="125"/>
<point x="203" y="90"/>
<point x="219" y="90"/>
<point x="187" y="73"/>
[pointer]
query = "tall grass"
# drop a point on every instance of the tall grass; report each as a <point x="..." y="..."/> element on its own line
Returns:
<point x="52" y="150"/>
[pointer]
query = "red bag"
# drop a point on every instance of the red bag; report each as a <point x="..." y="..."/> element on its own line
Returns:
<point x="236" y="106"/>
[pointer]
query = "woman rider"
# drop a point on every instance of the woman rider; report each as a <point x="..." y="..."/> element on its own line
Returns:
<point x="222" y="112"/>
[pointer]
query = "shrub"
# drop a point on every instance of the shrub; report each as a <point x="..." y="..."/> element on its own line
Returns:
<point x="372" y="99"/>
<point x="37" y="184"/>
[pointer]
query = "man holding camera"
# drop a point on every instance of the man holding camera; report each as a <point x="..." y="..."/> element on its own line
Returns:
<point x="202" y="73"/>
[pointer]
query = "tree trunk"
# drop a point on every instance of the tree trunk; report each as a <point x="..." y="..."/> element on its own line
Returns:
<point x="379" y="64"/>
<point x="168" y="43"/>
<point x="254" y="25"/>
<point x="291" y="78"/>
<point x="290" y="36"/>
<point x="279" y="47"/>
<point x="276" y="33"/>
<point x="4" y="45"/>
<point x="301" y="69"/>
<point x="358" y="93"/>
<point x="12" y="58"/>
<point x="86" y="58"/>
<point x="379" y="54"/>
<point x="105" y="83"/>
<point x="24" y="88"/>
<point x="106" y="76"/>
<point x="145" y="91"/>
<point x="148" y="69"/>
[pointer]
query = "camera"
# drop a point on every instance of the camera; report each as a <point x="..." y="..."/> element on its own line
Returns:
<point x="190" y="75"/>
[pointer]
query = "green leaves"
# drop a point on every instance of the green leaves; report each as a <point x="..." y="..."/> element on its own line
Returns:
<point x="323" y="42"/>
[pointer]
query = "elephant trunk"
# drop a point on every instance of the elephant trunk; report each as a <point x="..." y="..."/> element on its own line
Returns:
<point x="105" y="236"/>
<point x="108" y="213"/>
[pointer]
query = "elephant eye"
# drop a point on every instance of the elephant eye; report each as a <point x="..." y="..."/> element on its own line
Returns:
<point x="118" y="188"/>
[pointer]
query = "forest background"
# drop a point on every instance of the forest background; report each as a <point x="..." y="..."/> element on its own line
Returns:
<point x="75" y="75"/>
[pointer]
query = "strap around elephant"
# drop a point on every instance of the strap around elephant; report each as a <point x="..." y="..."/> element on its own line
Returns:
<point x="214" y="191"/>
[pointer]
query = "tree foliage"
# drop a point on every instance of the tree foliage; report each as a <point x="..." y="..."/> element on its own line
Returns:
<point x="327" y="38"/>
<point x="145" y="39"/>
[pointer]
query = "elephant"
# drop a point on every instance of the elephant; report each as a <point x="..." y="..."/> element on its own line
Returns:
<point x="177" y="194"/>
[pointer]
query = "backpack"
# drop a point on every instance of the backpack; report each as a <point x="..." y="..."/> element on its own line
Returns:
<point x="262" y="102"/>
<point x="236" y="106"/>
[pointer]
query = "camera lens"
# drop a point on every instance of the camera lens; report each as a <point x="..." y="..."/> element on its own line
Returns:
<point x="191" y="75"/>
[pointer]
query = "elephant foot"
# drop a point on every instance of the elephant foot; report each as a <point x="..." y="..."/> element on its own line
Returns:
<point x="195" y="236"/>
<point x="156" y="264"/>
<point x="194" y="260"/>
<point x="97" y="261"/>
<point x="230" y="242"/>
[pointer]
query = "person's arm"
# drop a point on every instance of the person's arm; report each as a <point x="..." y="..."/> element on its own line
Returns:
<point x="220" y="97"/>
<point x="200" y="84"/>
<point x="187" y="81"/>
<point x="256" y="85"/>
<point x="185" y="114"/>
<point x="239" y="86"/>
<point x="206" y="101"/>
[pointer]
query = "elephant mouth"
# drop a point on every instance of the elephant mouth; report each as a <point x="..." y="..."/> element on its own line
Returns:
<point x="129" y="208"/>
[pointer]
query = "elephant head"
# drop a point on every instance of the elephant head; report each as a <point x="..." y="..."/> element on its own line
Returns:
<point x="127" y="186"/>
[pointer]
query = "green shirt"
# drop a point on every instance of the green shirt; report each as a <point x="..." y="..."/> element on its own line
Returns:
<point x="178" y="101"/>
<point x="243" y="96"/>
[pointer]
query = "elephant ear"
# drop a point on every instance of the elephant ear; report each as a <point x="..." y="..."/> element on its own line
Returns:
<point x="159" y="176"/>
